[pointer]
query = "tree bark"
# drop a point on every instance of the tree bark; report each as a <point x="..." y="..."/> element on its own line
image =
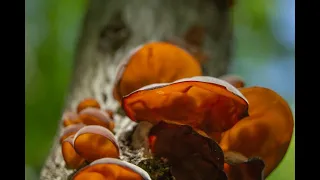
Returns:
<point x="111" y="28"/>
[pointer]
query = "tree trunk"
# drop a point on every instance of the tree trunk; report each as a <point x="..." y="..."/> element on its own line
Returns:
<point x="113" y="27"/>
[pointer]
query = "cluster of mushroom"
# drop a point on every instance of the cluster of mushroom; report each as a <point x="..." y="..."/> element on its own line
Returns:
<point x="206" y="127"/>
<point x="88" y="137"/>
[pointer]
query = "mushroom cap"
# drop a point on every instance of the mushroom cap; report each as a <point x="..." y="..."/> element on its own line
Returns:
<point x="111" y="169"/>
<point x="155" y="62"/>
<point x="90" y="176"/>
<point x="193" y="41"/>
<point x="110" y="112"/>
<point x="266" y="133"/>
<point x="70" y="130"/>
<point x="234" y="80"/>
<point x="190" y="155"/>
<point x="208" y="104"/>
<point x="72" y="159"/>
<point x="88" y="102"/>
<point x="94" y="142"/>
<point x="94" y="116"/>
<point x="69" y="118"/>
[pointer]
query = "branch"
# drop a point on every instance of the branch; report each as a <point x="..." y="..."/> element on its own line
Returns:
<point x="113" y="27"/>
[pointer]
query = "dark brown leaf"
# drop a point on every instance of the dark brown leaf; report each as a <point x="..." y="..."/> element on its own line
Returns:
<point x="192" y="156"/>
<point x="238" y="167"/>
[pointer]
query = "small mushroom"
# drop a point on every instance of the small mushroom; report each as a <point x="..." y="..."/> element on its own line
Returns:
<point x="190" y="155"/>
<point x="155" y="62"/>
<point x="266" y="133"/>
<point x="72" y="159"/>
<point x="70" y="130"/>
<point x="110" y="112"/>
<point x="88" y="102"/>
<point x="111" y="169"/>
<point x="234" y="80"/>
<point x="208" y="104"/>
<point x="94" y="116"/>
<point x="69" y="118"/>
<point x="94" y="142"/>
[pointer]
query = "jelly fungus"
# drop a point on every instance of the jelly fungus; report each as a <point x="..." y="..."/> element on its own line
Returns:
<point x="208" y="104"/>
<point x="94" y="142"/>
<point x="69" y="118"/>
<point x="193" y="41"/>
<point x="111" y="169"/>
<point x="266" y="133"/>
<point x="234" y="80"/>
<point x="72" y="159"/>
<point x="94" y="116"/>
<point x="88" y="102"/>
<point x="70" y="130"/>
<point x="155" y="62"/>
<point x="110" y="112"/>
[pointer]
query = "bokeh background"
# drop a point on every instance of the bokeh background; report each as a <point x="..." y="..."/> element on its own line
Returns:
<point x="264" y="56"/>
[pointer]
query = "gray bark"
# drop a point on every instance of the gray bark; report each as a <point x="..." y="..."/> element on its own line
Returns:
<point x="111" y="28"/>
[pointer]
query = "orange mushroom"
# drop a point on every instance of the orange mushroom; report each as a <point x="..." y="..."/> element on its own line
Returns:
<point x="69" y="118"/>
<point x="111" y="169"/>
<point x="70" y="130"/>
<point x="72" y="159"/>
<point x="155" y="62"/>
<point x="234" y="80"/>
<point x="88" y="102"/>
<point x="192" y="156"/>
<point x="266" y="133"/>
<point x="193" y="41"/>
<point x="110" y="112"/>
<point x="94" y="116"/>
<point x="208" y="104"/>
<point x="94" y="142"/>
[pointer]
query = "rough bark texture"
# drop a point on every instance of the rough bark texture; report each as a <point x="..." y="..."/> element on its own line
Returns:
<point x="111" y="28"/>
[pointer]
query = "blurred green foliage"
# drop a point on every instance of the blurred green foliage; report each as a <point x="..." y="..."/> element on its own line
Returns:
<point x="51" y="33"/>
<point x="52" y="29"/>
